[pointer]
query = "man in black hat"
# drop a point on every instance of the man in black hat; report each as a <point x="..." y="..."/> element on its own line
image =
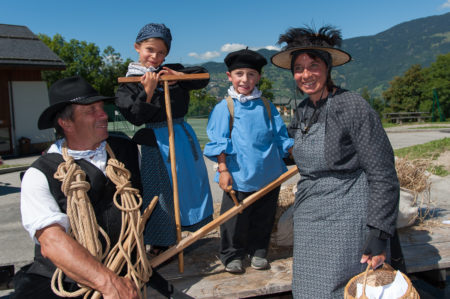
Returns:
<point x="76" y="112"/>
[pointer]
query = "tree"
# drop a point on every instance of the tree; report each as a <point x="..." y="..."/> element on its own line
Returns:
<point x="112" y="68"/>
<point x="265" y="86"/>
<point x="438" y="77"/>
<point x="414" y="90"/>
<point x="84" y="59"/>
<point x="376" y="103"/>
<point x="406" y="92"/>
<point x="201" y="103"/>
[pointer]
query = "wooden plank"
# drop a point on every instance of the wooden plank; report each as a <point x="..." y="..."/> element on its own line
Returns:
<point x="415" y="236"/>
<point x="425" y="257"/>
<point x="205" y="277"/>
<point x="425" y="249"/>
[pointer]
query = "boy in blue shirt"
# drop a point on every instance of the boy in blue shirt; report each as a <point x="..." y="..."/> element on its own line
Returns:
<point x="249" y="147"/>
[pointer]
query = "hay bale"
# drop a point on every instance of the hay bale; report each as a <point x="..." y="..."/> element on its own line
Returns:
<point x="414" y="178"/>
<point x="413" y="174"/>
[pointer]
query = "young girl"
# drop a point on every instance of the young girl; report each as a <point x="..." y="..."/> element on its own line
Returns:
<point x="249" y="153"/>
<point x="143" y="103"/>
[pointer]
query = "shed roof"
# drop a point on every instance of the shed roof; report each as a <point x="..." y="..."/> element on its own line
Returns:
<point x="19" y="47"/>
<point x="287" y="102"/>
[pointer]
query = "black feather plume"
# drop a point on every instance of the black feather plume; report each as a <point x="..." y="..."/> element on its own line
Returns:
<point x="327" y="36"/>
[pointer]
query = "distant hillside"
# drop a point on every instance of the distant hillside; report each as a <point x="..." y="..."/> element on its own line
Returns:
<point x="376" y="59"/>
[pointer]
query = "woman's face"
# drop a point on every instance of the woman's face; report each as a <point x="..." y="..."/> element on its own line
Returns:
<point x="310" y="75"/>
<point x="152" y="52"/>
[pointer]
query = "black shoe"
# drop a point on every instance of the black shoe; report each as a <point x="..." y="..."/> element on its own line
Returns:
<point x="235" y="266"/>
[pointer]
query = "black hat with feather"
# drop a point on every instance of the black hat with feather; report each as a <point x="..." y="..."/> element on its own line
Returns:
<point x="322" y="43"/>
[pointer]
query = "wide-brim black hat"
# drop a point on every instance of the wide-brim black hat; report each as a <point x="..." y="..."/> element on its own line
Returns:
<point x="326" y="39"/>
<point x="73" y="90"/>
<point x="283" y="58"/>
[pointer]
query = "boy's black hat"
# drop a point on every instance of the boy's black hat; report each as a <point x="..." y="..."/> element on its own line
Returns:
<point x="72" y="90"/>
<point x="245" y="59"/>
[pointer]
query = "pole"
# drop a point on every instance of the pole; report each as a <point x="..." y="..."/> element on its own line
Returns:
<point x="137" y="79"/>
<point x="173" y="168"/>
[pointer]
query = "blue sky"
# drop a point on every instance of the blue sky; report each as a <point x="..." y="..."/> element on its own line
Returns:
<point x="205" y="30"/>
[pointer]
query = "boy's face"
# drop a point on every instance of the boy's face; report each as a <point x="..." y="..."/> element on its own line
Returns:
<point x="244" y="80"/>
<point x="152" y="52"/>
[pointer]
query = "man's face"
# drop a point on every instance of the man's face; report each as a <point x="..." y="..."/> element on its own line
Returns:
<point x="88" y="127"/>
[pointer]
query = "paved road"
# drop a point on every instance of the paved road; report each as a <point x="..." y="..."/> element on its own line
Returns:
<point x="409" y="137"/>
<point x="16" y="246"/>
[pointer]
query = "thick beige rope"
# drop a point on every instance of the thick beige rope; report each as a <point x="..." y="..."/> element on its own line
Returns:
<point x="84" y="227"/>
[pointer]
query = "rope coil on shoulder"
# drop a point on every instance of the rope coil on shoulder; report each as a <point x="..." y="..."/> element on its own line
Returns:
<point x="85" y="229"/>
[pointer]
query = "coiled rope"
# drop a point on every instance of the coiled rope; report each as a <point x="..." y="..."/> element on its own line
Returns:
<point x="85" y="229"/>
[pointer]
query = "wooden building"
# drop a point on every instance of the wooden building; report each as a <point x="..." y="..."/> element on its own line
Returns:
<point x="23" y="94"/>
<point x="285" y="107"/>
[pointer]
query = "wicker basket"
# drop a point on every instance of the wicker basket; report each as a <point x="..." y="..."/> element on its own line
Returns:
<point x="380" y="277"/>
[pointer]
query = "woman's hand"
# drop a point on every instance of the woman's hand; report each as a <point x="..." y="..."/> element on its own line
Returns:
<point x="374" y="261"/>
<point x="225" y="180"/>
<point x="167" y="71"/>
<point x="150" y="80"/>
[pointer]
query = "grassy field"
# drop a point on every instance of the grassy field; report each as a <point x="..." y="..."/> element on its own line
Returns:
<point x="198" y="124"/>
<point x="430" y="150"/>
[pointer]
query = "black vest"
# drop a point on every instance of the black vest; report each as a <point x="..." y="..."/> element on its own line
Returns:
<point x="100" y="194"/>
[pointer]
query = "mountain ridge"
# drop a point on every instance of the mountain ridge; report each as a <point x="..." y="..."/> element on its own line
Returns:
<point x="376" y="59"/>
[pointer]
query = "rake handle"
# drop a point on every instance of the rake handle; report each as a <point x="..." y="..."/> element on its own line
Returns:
<point x="137" y="79"/>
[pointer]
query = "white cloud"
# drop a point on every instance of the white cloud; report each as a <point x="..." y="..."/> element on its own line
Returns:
<point x="446" y="4"/>
<point x="232" y="47"/>
<point x="272" y="48"/>
<point x="205" y="56"/>
<point x="226" y="48"/>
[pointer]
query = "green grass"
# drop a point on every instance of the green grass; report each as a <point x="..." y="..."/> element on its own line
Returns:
<point x="440" y="171"/>
<point x="3" y="166"/>
<point x="198" y="124"/>
<point x="430" y="150"/>
<point x="387" y="124"/>
<point x="430" y="127"/>
<point x="123" y="126"/>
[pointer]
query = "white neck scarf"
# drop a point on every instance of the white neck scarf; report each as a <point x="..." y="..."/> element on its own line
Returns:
<point x="256" y="94"/>
<point x="97" y="157"/>
<point x="137" y="69"/>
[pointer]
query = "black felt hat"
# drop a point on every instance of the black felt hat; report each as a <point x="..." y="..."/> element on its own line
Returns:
<point x="245" y="59"/>
<point x="73" y="90"/>
<point x="298" y="40"/>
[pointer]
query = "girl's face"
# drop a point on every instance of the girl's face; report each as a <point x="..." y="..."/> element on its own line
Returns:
<point x="152" y="52"/>
<point x="244" y="80"/>
<point x="310" y="75"/>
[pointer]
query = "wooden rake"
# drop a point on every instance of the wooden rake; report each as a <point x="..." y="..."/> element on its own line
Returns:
<point x="176" y="201"/>
<point x="187" y="241"/>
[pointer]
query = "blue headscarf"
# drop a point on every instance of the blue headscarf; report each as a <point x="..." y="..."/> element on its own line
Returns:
<point x="153" y="30"/>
